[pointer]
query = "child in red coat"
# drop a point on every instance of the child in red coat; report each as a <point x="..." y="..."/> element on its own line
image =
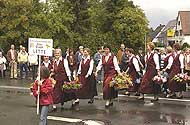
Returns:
<point x="46" y="90"/>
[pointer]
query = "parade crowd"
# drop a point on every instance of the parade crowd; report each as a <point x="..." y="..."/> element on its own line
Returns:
<point x="100" y="68"/>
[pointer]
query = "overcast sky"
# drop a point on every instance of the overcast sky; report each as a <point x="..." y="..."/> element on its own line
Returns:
<point x="161" y="11"/>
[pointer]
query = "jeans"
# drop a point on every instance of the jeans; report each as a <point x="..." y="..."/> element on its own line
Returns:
<point x="43" y="115"/>
<point x="34" y="71"/>
<point x="23" y="65"/>
<point x="99" y="77"/>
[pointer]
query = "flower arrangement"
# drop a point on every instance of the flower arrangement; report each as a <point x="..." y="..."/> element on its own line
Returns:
<point x="159" y="79"/>
<point x="180" y="78"/>
<point x="121" y="82"/>
<point x="53" y="81"/>
<point x="73" y="85"/>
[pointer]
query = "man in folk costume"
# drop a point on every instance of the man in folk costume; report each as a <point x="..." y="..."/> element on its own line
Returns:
<point x="152" y="69"/>
<point x="62" y="74"/>
<point x="86" y="78"/>
<point x="134" y="71"/>
<point x="168" y="61"/>
<point x="176" y="68"/>
<point x="110" y="66"/>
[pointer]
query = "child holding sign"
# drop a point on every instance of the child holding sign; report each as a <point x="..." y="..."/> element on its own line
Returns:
<point x="45" y="93"/>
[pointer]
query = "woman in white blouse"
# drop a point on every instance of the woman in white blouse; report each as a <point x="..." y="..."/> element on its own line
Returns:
<point x="110" y="67"/>
<point x="86" y="78"/>
<point x="2" y="64"/>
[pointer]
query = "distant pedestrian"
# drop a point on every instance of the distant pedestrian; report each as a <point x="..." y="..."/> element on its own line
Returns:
<point x="97" y="58"/>
<point x="2" y="65"/>
<point x="46" y="90"/>
<point x="23" y="60"/>
<point x="79" y="55"/>
<point x="33" y="63"/>
<point x="120" y="53"/>
<point x="12" y="58"/>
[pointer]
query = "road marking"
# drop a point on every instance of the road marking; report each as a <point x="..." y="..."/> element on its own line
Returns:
<point x="14" y="87"/>
<point x="71" y="120"/>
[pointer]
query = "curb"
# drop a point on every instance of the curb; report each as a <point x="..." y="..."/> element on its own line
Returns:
<point x="26" y="91"/>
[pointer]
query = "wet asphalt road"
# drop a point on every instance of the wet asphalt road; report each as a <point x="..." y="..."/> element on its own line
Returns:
<point x="19" y="109"/>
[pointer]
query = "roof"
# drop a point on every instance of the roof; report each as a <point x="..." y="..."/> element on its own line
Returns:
<point x="170" y="25"/>
<point x="185" y="21"/>
<point x="157" y="31"/>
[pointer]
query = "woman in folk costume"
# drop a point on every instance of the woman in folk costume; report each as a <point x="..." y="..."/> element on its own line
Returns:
<point x="72" y="63"/>
<point x="168" y="61"/>
<point x="110" y="66"/>
<point x="70" y="57"/>
<point x="134" y="71"/>
<point x="177" y="67"/>
<point x="86" y="78"/>
<point x="152" y="69"/>
<point x="62" y="74"/>
<point x="47" y="63"/>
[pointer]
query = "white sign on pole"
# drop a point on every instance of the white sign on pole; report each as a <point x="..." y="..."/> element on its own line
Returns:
<point x="42" y="47"/>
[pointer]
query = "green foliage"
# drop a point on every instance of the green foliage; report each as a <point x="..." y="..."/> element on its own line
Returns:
<point x="70" y="23"/>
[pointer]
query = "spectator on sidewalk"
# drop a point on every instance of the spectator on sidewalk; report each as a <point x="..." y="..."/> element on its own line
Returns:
<point x="12" y="59"/>
<point x="2" y="65"/>
<point x="23" y="60"/>
<point x="120" y="54"/>
<point x="97" y="58"/>
<point x="79" y="55"/>
<point x="33" y="63"/>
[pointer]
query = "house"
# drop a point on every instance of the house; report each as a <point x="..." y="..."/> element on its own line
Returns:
<point x="182" y="33"/>
<point x="166" y="35"/>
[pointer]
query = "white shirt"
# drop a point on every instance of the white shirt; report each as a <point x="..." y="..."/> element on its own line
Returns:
<point x="135" y="63"/>
<point x="46" y="64"/>
<point x="33" y="59"/>
<point x="181" y="59"/>
<point x="170" y="61"/>
<point x="155" y="58"/>
<point x="115" y="62"/>
<point x="2" y="62"/>
<point x="90" y="68"/>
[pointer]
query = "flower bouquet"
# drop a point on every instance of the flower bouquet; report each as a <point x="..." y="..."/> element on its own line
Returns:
<point x="181" y="78"/>
<point x="53" y="81"/>
<point x="121" y="82"/>
<point x="159" y="79"/>
<point x="71" y="86"/>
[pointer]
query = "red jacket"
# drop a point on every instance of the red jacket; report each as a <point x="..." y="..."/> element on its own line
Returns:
<point x="46" y="90"/>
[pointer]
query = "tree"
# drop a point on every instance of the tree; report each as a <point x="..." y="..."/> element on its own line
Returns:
<point x="14" y="21"/>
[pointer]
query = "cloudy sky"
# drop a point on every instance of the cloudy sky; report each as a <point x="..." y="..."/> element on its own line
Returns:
<point x="161" y="11"/>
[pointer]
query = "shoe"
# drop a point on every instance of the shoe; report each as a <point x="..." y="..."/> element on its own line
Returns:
<point x="171" y="95"/>
<point x="155" y="99"/>
<point x="91" y="101"/>
<point x="106" y="106"/>
<point x="137" y="94"/>
<point x="53" y="110"/>
<point x="127" y="93"/>
<point x="140" y="98"/>
<point x="111" y="104"/>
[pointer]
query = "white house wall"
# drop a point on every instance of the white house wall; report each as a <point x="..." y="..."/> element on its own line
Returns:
<point x="187" y="39"/>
